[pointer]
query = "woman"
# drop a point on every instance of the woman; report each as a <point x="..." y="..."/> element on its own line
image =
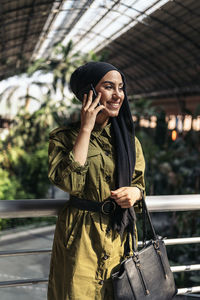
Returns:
<point x="100" y="163"/>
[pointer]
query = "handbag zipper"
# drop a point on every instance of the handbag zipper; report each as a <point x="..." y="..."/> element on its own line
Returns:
<point x="140" y="272"/>
<point x="157" y="248"/>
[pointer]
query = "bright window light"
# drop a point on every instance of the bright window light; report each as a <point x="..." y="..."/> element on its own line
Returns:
<point x="99" y="23"/>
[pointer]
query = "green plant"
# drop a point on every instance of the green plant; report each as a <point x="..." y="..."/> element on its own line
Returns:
<point x="24" y="153"/>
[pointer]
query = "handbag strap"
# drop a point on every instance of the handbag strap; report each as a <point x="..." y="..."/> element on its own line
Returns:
<point x="144" y="225"/>
<point x="145" y="217"/>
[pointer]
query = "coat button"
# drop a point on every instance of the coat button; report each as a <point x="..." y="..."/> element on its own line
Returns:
<point x="57" y="179"/>
<point x="101" y="282"/>
<point x="108" y="178"/>
<point x="105" y="257"/>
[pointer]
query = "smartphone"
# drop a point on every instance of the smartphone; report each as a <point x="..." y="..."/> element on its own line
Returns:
<point x="94" y="93"/>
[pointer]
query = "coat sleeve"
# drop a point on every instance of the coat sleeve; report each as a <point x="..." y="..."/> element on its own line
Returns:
<point x="64" y="171"/>
<point x="138" y="175"/>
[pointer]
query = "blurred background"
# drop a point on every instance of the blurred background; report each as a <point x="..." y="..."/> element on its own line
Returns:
<point x="156" y="44"/>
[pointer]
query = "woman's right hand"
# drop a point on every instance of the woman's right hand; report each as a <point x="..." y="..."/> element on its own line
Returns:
<point x="89" y="111"/>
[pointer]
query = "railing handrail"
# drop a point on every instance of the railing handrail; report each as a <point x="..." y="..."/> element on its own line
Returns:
<point x="168" y="242"/>
<point x="49" y="207"/>
<point x="23" y="282"/>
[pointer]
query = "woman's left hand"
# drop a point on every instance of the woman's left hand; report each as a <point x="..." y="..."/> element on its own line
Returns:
<point x="126" y="196"/>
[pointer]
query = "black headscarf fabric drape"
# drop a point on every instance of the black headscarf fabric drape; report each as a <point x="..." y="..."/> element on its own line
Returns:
<point x="123" y="129"/>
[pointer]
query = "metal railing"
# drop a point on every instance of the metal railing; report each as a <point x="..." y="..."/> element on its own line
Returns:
<point x="50" y="207"/>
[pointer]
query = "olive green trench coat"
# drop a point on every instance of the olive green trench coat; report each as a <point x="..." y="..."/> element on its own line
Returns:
<point x="85" y="248"/>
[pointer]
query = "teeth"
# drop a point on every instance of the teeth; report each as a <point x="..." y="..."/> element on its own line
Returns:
<point x="114" y="104"/>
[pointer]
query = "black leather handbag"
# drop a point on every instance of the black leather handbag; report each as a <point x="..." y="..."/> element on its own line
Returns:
<point x="146" y="274"/>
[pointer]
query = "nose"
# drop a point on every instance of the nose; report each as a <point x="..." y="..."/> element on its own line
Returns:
<point x="116" y="94"/>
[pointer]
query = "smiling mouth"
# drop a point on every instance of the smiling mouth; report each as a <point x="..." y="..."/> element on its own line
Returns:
<point x="114" y="105"/>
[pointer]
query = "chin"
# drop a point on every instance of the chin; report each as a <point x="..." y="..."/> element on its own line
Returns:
<point x="114" y="113"/>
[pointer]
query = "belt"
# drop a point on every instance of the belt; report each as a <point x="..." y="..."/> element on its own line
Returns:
<point x="106" y="207"/>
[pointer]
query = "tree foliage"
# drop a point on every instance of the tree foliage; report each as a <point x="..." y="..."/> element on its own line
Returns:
<point x="23" y="155"/>
<point x="172" y="168"/>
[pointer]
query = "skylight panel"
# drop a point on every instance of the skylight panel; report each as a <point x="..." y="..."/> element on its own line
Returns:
<point x="156" y="6"/>
<point x="100" y="22"/>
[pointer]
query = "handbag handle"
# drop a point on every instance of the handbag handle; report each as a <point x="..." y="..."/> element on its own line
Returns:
<point x="146" y="217"/>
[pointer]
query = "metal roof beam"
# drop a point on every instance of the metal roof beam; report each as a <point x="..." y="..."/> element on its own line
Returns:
<point x="156" y="52"/>
<point x="176" y="31"/>
<point x="165" y="25"/>
<point x="155" y="38"/>
<point x="18" y="28"/>
<point x="31" y="13"/>
<point x="158" y="74"/>
<point x="149" y="58"/>
<point x="88" y="31"/>
<point x="186" y="8"/>
<point x="22" y="18"/>
<point x="146" y="61"/>
<point x="2" y="42"/>
<point x="180" y="19"/>
<point x="81" y="10"/>
<point x="21" y="36"/>
<point x="115" y="19"/>
<point x="172" y="28"/>
<point x="169" y="92"/>
<point x="47" y="26"/>
<point x="40" y="4"/>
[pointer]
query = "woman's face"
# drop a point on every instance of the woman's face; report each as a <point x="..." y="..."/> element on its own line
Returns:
<point x="112" y="94"/>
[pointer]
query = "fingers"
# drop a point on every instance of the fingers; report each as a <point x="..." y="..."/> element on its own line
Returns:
<point x="84" y="100"/>
<point x="90" y="110"/>
<point x="123" y="197"/>
<point x="118" y="193"/>
<point x="88" y="100"/>
<point x="99" y="108"/>
<point x="89" y="105"/>
<point x="96" y="101"/>
<point x="123" y="188"/>
<point x="125" y="202"/>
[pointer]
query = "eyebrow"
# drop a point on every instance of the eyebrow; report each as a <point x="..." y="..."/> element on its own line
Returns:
<point x="112" y="82"/>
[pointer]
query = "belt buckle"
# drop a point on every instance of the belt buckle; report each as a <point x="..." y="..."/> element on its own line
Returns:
<point x="108" y="206"/>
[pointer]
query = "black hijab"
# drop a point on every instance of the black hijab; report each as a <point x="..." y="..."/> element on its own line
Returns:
<point x="124" y="134"/>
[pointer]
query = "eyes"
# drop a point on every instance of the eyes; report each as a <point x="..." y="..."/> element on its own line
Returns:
<point x="110" y="87"/>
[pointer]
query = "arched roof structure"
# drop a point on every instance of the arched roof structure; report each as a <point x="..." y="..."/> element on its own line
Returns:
<point x="157" y="43"/>
<point x="161" y="54"/>
<point x="23" y="23"/>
